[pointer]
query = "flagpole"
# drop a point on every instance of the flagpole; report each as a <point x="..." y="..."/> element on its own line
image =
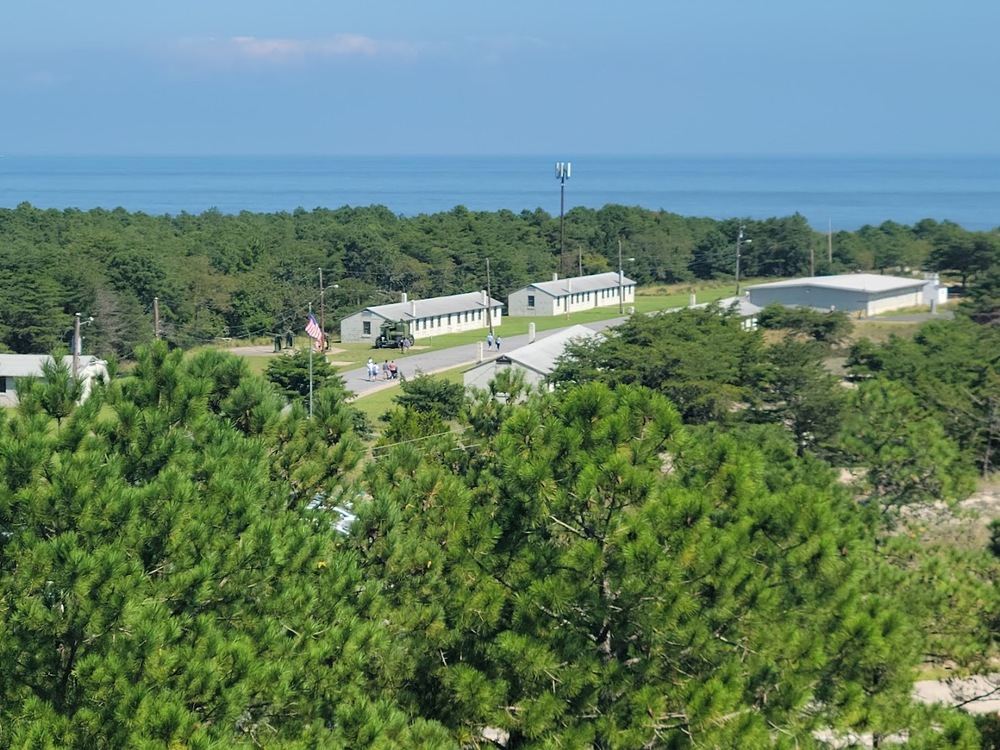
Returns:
<point x="312" y="347"/>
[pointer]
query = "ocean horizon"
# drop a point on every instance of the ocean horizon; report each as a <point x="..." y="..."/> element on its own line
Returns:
<point x="846" y="192"/>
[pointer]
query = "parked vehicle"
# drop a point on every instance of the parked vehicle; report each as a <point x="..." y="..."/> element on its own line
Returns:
<point x="392" y="333"/>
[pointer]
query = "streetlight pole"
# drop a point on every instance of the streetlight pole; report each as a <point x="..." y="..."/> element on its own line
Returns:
<point x="322" y="327"/>
<point x="621" y="280"/>
<point x="562" y="174"/>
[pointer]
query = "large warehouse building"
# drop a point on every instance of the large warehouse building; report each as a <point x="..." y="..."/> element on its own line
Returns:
<point x="866" y="293"/>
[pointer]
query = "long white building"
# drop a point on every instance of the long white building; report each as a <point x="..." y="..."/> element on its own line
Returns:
<point x="561" y="296"/>
<point x="427" y="317"/>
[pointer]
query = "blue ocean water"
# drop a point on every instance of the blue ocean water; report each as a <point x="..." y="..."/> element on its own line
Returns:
<point x="847" y="192"/>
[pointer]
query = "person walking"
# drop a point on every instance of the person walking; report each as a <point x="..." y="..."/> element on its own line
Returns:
<point x="372" y="369"/>
<point x="385" y="370"/>
<point x="489" y="340"/>
<point x="393" y="370"/>
<point x="498" y="343"/>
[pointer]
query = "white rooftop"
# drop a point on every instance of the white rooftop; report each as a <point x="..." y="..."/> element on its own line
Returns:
<point x="744" y="307"/>
<point x="593" y="283"/>
<point x="30" y="365"/>
<point x="425" y="308"/>
<point x="872" y="283"/>
<point x="541" y="354"/>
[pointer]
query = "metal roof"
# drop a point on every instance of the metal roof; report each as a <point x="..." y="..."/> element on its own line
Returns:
<point x="541" y="354"/>
<point x="426" y="308"/>
<point x="593" y="283"/>
<point x="871" y="283"/>
<point x="744" y="307"/>
<point x="30" y="365"/>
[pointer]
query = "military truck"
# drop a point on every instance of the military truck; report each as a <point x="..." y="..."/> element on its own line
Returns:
<point x="392" y="333"/>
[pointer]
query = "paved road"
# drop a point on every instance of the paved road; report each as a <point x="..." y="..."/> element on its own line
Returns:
<point x="416" y="362"/>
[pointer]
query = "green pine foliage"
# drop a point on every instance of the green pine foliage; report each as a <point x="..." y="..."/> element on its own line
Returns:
<point x="158" y="587"/>
<point x="593" y="575"/>
<point x="244" y="275"/>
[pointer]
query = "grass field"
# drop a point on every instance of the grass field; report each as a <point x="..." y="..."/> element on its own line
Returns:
<point x="377" y="403"/>
<point x="351" y="356"/>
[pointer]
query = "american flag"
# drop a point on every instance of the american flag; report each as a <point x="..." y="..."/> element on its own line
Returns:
<point x="314" y="331"/>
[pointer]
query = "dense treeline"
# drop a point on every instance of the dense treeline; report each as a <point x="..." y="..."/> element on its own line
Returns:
<point x="569" y="569"/>
<point x="249" y="274"/>
<point x="701" y="538"/>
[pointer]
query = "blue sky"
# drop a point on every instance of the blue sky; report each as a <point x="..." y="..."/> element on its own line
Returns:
<point x="677" y="77"/>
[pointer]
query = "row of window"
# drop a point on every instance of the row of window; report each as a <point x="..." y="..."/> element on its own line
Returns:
<point x="441" y="321"/>
<point x="580" y="297"/>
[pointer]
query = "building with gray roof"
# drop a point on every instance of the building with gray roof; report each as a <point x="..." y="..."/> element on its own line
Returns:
<point x="427" y="317"/>
<point x="15" y="366"/>
<point x="864" y="293"/>
<point x="563" y="296"/>
<point x="536" y="360"/>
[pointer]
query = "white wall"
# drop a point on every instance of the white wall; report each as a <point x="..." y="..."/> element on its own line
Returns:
<point x="468" y="320"/>
<point x="890" y="302"/>
<point x="822" y="298"/>
<point x="547" y="305"/>
<point x="352" y="327"/>
<point x="578" y="301"/>
<point x="481" y="375"/>
<point x="8" y="396"/>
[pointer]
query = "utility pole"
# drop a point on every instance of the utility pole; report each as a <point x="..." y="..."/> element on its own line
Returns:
<point x="621" y="281"/>
<point x="156" y="317"/>
<point x="562" y="174"/>
<point x="489" y="299"/>
<point x="312" y="348"/>
<point x="581" y="260"/>
<point x="77" y="343"/>
<point x="321" y="326"/>
<point x="812" y="260"/>
<point x="829" y="244"/>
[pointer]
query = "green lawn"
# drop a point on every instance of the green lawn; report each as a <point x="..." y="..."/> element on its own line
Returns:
<point x="376" y="403"/>
<point x="649" y="300"/>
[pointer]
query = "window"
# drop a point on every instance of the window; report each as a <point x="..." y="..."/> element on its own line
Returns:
<point x="366" y="328"/>
<point x="3" y="384"/>
<point x="449" y="318"/>
<point x="531" y="300"/>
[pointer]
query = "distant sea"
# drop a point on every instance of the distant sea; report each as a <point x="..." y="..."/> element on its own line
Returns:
<point x="847" y="192"/>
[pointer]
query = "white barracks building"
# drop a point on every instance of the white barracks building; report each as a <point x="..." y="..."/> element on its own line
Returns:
<point x="427" y="317"/>
<point x="561" y="296"/>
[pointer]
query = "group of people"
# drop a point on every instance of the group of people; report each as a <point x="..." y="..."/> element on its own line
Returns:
<point x="390" y="370"/>
<point x="490" y="341"/>
<point x="405" y="344"/>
